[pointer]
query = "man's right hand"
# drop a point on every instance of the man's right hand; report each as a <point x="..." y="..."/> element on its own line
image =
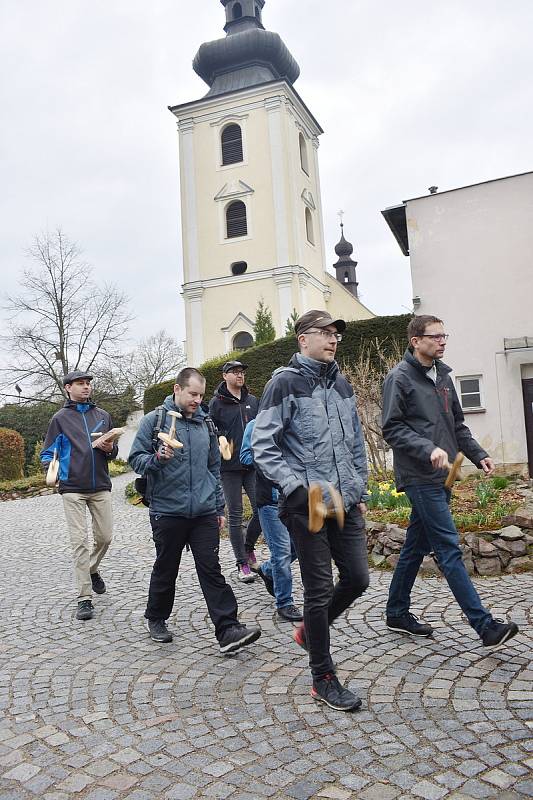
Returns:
<point x="439" y="458"/>
<point x="165" y="452"/>
<point x="298" y="501"/>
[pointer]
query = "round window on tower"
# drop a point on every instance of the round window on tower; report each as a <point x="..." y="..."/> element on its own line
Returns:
<point x="242" y="340"/>
<point x="239" y="267"/>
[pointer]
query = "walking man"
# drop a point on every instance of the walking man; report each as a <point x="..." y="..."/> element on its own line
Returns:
<point x="231" y="408"/>
<point x="308" y="431"/>
<point x="84" y="482"/>
<point x="186" y="508"/>
<point x="424" y="424"/>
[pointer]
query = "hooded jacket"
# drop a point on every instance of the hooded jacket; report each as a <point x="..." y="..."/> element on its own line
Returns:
<point x="187" y="485"/>
<point x="266" y="493"/>
<point x="82" y="468"/>
<point x="307" y="430"/>
<point x="231" y="417"/>
<point x="420" y="415"/>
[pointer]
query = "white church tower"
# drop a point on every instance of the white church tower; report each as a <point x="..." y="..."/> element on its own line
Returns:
<point x="250" y="192"/>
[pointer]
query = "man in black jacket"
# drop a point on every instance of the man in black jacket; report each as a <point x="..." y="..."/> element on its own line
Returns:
<point x="231" y="409"/>
<point x="424" y="424"/>
<point x="84" y="481"/>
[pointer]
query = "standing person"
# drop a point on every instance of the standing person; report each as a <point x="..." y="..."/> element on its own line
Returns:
<point x="231" y="408"/>
<point x="276" y="572"/>
<point x="307" y="430"/>
<point x="84" y="482"/>
<point x="423" y="422"/>
<point x="186" y="508"/>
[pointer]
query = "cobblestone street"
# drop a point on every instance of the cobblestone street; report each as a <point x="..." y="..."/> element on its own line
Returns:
<point x="96" y="710"/>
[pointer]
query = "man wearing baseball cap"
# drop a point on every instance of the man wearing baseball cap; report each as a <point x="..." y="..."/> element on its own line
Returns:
<point x="307" y="431"/>
<point x="84" y="481"/>
<point x="231" y="409"/>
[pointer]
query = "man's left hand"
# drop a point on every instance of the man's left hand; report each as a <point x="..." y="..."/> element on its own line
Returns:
<point x="362" y="508"/>
<point x="221" y="522"/>
<point x="105" y="446"/>
<point x="488" y="466"/>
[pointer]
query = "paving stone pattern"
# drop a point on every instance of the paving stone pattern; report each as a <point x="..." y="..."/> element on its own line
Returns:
<point x="97" y="711"/>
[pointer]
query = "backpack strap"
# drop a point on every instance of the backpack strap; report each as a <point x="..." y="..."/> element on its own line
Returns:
<point x="211" y="427"/>
<point x="159" y="423"/>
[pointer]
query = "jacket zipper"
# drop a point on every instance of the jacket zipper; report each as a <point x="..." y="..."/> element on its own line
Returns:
<point x="190" y="467"/>
<point x="90" y="448"/>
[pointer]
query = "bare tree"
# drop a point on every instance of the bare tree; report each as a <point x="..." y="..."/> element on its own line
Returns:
<point x="61" y="320"/>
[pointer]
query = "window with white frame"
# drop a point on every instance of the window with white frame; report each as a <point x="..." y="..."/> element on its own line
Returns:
<point x="470" y="392"/>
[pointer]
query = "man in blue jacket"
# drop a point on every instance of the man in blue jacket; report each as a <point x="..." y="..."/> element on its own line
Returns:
<point x="84" y="482"/>
<point x="187" y="508"/>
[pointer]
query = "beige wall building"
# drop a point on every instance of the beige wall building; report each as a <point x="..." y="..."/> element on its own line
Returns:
<point x="250" y="193"/>
<point x="471" y="252"/>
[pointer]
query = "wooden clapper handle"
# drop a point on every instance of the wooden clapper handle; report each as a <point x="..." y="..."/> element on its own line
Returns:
<point x="319" y="510"/>
<point x="454" y="470"/>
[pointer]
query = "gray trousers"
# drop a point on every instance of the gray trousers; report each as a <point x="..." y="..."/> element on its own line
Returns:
<point x="233" y="482"/>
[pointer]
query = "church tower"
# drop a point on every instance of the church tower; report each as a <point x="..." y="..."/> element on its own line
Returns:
<point x="250" y="192"/>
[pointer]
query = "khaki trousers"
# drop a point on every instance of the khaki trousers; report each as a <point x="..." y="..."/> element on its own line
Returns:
<point x="86" y="562"/>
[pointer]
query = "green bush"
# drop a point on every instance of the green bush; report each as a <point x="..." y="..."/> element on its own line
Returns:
<point x="31" y="421"/>
<point x="263" y="360"/>
<point x="11" y="455"/>
<point x="19" y="484"/>
<point x="118" y="467"/>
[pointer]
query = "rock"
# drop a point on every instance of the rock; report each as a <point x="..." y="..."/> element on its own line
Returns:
<point x="528" y="539"/>
<point x="501" y="544"/>
<point x="523" y="564"/>
<point x="378" y="548"/>
<point x="488" y="566"/>
<point x="473" y="542"/>
<point x="487" y="549"/>
<point x="518" y="547"/>
<point x="429" y="567"/>
<point x="511" y="532"/>
<point x="375" y="527"/>
<point x="504" y="554"/>
<point x="392" y="560"/>
<point x="523" y="516"/>
<point x="396" y="534"/>
<point x="376" y="558"/>
<point x="391" y="544"/>
<point x="469" y="564"/>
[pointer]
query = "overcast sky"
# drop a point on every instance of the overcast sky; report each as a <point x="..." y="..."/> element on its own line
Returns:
<point x="409" y="95"/>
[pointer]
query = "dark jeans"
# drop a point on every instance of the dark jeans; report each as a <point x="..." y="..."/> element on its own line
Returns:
<point x="324" y="602"/>
<point x="171" y="534"/>
<point x="233" y="482"/>
<point x="432" y="529"/>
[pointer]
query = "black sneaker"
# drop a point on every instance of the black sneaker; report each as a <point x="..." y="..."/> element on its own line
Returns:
<point x="157" y="628"/>
<point x="238" y="636"/>
<point x="497" y="633"/>
<point x="330" y="691"/>
<point x="409" y="624"/>
<point x="267" y="580"/>
<point x="290" y="613"/>
<point x="97" y="582"/>
<point x="85" y="610"/>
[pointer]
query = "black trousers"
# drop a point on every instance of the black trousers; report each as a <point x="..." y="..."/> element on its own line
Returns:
<point x="233" y="482"/>
<point x="324" y="602"/>
<point x="170" y="535"/>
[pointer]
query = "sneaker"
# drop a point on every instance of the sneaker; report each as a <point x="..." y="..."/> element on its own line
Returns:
<point x="268" y="581"/>
<point x="238" y="636"/>
<point x="409" y="624"/>
<point x="330" y="691"/>
<point x="157" y="628"/>
<point x="299" y="637"/>
<point x="290" y="613"/>
<point x="245" y="573"/>
<point x="252" y="560"/>
<point x="497" y="633"/>
<point x="97" y="582"/>
<point x="85" y="610"/>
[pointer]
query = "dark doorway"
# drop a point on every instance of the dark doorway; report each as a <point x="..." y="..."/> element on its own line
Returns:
<point x="527" y="389"/>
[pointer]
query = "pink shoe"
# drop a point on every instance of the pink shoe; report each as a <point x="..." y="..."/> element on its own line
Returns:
<point x="252" y="560"/>
<point x="245" y="573"/>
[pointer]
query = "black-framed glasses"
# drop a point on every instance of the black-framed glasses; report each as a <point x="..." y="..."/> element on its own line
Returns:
<point x="237" y="371"/>
<point x="327" y="334"/>
<point x="437" y="337"/>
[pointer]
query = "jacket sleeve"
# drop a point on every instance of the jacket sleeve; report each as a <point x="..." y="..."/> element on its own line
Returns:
<point x="213" y="466"/>
<point x="272" y="419"/>
<point x="359" y="451"/>
<point x="52" y="441"/>
<point x="114" y="452"/>
<point x="465" y="441"/>
<point x="214" y="413"/>
<point x="142" y="458"/>
<point x="396" y="430"/>
<point x="247" y="454"/>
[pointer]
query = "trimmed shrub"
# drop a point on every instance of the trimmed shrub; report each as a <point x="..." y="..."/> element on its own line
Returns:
<point x="11" y="455"/>
<point x="263" y="360"/>
<point x="31" y="421"/>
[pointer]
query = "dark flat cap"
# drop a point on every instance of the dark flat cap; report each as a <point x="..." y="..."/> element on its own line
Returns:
<point x="229" y="365"/>
<point x="77" y="375"/>
<point x="317" y="319"/>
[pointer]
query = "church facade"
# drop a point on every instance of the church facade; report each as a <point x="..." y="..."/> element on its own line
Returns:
<point x="250" y="193"/>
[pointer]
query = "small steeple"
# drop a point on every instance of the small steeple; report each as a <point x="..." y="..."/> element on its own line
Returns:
<point x="345" y="266"/>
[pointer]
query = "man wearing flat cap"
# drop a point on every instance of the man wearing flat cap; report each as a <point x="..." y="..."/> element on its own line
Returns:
<point x="84" y="481"/>
<point x="231" y="409"/>
<point x="307" y="431"/>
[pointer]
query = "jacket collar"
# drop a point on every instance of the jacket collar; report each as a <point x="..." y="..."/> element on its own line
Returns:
<point x="313" y="368"/>
<point x="224" y="394"/>
<point x="441" y="367"/>
<point x="74" y="405"/>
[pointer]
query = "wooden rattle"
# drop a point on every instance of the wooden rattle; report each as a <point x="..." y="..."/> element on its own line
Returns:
<point x="170" y="437"/>
<point x="454" y="470"/>
<point x="53" y="471"/>
<point x="319" y="511"/>
<point x="109" y="436"/>
<point x="226" y="448"/>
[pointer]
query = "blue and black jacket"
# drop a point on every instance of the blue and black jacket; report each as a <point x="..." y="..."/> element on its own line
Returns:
<point x="81" y="468"/>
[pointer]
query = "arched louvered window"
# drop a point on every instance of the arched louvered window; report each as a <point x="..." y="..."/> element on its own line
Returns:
<point x="236" y="224"/>
<point x="242" y="340"/>
<point x="346" y="278"/>
<point x="237" y="11"/>
<point x="231" y="144"/>
<point x="303" y="154"/>
<point x="309" y="226"/>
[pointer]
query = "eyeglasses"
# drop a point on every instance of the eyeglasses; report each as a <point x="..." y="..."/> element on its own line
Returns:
<point x="237" y="371"/>
<point x="437" y="337"/>
<point x="326" y="334"/>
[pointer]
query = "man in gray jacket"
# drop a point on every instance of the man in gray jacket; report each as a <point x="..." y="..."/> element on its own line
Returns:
<point x="307" y="431"/>
<point x="424" y="424"/>
<point x="186" y="508"/>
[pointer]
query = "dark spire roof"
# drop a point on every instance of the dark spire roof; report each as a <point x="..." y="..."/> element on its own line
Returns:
<point x="344" y="249"/>
<point x="248" y="56"/>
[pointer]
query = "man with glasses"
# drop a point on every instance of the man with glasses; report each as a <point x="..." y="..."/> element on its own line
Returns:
<point x="423" y="422"/>
<point x="307" y="431"/>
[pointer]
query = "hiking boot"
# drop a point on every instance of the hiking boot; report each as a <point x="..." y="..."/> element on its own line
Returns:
<point x="238" y="636"/>
<point x="330" y="691"/>
<point x="497" y="633"/>
<point x="409" y="624"/>
<point x="252" y="560"/>
<point x="157" y="628"/>
<point x="85" y="610"/>
<point x="290" y="613"/>
<point x="245" y="573"/>
<point x="299" y="637"/>
<point x="268" y="581"/>
<point x="97" y="582"/>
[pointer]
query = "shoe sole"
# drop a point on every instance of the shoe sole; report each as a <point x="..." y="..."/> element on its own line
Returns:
<point x="99" y="591"/>
<point x="289" y="619"/>
<point x="85" y="618"/>
<point x="320" y="699"/>
<point x="233" y="647"/>
<point x="509" y="635"/>
<point x="159" y="641"/>
<point x="248" y="579"/>
<point x="410" y="633"/>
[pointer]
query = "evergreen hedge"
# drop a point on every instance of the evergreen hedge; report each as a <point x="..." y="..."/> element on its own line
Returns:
<point x="11" y="455"/>
<point x="263" y="360"/>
